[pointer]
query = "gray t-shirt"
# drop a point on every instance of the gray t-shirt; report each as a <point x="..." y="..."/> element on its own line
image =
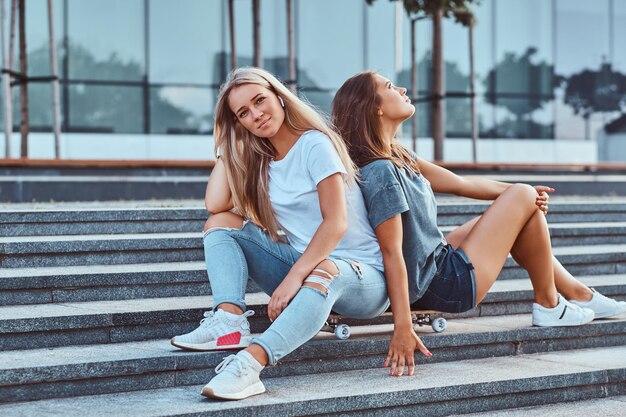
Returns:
<point x="389" y="191"/>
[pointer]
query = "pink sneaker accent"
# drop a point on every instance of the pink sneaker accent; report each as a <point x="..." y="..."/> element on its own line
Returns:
<point x="229" y="339"/>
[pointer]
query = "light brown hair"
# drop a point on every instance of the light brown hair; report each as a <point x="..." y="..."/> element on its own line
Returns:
<point x="355" y="117"/>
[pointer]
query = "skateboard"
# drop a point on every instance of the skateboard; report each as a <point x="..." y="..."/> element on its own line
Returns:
<point x="418" y="317"/>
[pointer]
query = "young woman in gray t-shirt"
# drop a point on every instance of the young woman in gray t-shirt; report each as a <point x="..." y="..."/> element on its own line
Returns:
<point x="451" y="274"/>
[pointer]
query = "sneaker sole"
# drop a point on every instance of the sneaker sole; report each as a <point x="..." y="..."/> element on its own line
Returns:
<point x="254" y="389"/>
<point x="560" y="323"/>
<point x="610" y="314"/>
<point x="210" y="346"/>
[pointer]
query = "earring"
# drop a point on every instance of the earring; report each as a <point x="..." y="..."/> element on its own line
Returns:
<point x="380" y="112"/>
<point x="282" y="103"/>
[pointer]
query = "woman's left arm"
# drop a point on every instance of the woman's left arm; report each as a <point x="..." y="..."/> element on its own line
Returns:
<point x="328" y="235"/>
<point x="445" y="181"/>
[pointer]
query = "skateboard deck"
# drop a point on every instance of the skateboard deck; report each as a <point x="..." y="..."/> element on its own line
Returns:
<point x="335" y="322"/>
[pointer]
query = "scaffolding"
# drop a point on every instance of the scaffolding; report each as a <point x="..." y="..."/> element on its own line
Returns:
<point x="10" y="77"/>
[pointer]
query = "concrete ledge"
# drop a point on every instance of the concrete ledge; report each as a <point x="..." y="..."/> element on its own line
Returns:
<point x="440" y="389"/>
<point x="85" y="370"/>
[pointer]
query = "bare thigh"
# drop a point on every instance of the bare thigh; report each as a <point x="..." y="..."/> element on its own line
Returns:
<point x="489" y="241"/>
<point x="459" y="234"/>
<point x="224" y="219"/>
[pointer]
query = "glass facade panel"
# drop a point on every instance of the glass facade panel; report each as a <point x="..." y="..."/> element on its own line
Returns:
<point x="274" y="38"/>
<point x="524" y="118"/>
<point x="483" y="48"/>
<point x="423" y="47"/>
<point x="106" y="39"/>
<point x="243" y="31"/>
<point x="105" y="109"/>
<point x="380" y="38"/>
<point x="182" y="110"/>
<point x="37" y="36"/>
<point x="322" y="100"/>
<point x="458" y="118"/>
<point x="40" y="112"/>
<point x="581" y="26"/>
<point x="581" y="67"/>
<point x="618" y="39"/>
<point x="456" y="56"/>
<point x="523" y="47"/>
<point x="186" y="43"/>
<point x="544" y="69"/>
<point x="330" y="41"/>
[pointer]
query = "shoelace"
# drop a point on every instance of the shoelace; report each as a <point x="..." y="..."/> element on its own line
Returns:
<point x="209" y="316"/>
<point x="236" y="368"/>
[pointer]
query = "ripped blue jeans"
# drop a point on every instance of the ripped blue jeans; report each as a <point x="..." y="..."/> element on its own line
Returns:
<point x="233" y="255"/>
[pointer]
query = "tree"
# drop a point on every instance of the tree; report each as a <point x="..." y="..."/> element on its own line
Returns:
<point x="23" y="84"/>
<point x="589" y="92"/>
<point x="438" y="10"/>
<point x="256" y="33"/>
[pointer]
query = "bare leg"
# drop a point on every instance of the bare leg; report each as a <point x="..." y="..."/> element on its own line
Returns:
<point x="232" y="221"/>
<point x="565" y="283"/>
<point x="511" y="219"/>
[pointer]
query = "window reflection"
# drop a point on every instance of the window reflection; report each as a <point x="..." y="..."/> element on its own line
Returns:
<point x="105" y="109"/>
<point x="185" y="42"/>
<point x="544" y="69"/>
<point x="330" y="41"/>
<point x="37" y="36"/>
<point x="185" y="110"/>
<point x="106" y="39"/>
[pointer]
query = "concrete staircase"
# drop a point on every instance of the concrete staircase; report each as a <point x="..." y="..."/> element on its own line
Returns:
<point x="91" y="293"/>
<point x="42" y="181"/>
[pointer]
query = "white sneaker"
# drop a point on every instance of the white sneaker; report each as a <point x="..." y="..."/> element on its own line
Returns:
<point x="602" y="306"/>
<point x="219" y="330"/>
<point x="564" y="314"/>
<point x="237" y="377"/>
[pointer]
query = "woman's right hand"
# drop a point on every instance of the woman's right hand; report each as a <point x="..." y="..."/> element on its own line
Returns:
<point x="402" y="347"/>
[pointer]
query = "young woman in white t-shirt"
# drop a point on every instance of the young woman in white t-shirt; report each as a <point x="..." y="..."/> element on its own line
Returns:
<point x="282" y="169"/>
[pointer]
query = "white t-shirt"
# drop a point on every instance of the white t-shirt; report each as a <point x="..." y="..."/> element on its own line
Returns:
<point x="293" y="194"/>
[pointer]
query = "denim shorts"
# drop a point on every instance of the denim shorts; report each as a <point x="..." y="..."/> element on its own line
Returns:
<point x="453" y="289"/>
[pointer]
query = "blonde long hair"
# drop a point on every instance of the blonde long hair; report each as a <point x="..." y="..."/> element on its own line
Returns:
<point x="246" y="156"/>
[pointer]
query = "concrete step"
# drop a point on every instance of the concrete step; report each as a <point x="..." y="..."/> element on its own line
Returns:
<point x="49" y="325"/>
<point x="438" y="389"/>
<point x="52" y="251"/>
<point x="62" y="284"/>
<point x="98" y="187"/>
<point x="575" y="234"/>
<point x="606" y="407"/>
<point x="47" y="251"/>
<point x="97" y="369"/>
<point x="109" y="218"/>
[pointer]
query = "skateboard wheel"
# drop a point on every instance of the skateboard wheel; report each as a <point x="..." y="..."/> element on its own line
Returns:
<point x="439" y="324"/>
<point x="342" y="331"/>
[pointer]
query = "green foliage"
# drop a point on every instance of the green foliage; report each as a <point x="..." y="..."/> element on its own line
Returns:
<point x="457" y="8"/>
